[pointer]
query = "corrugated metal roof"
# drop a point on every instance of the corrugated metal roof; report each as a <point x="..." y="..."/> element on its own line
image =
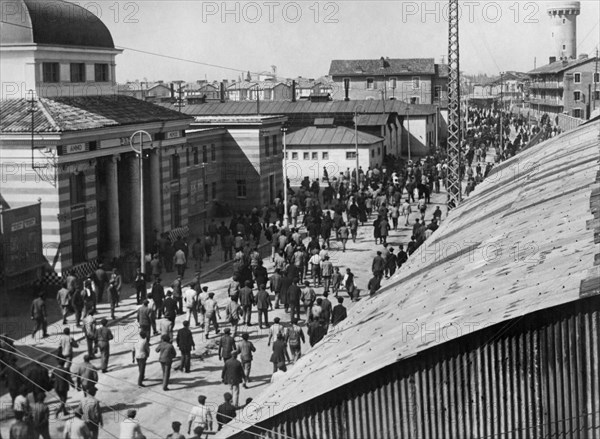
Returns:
<point x="523" y="243"/>
<point x="408" y="66"/>
<point x="328" y="136"/>
<point x="81" y="113"/>
<point x="368" y="120"/>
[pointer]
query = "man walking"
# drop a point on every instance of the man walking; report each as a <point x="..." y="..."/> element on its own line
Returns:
<point x="263" y="304"/>
<point x="200" y="416"/>
<point x="63" y="298"/>
<point x="185" y="342"/>
<point x="233" y="375"/>
<point x="190" y="301"/>
<point x="92" y="413"/>
<point x="294" y="292"/>
<point x="226" y="345"/>
<point x="140" y="354"/>
<point x="144" y="318"/>
<point x="103" y="338"/>
<point x="295" y="337"/>
<point x="212" y="312"/>
<point x="166" y="354"/>
<point x="39" y="315"/>
<point x="247" y="300"/>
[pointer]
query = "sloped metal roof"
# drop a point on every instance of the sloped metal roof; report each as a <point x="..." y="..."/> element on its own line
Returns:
<point x="361" y="67"/>
<point x="239" y="108"/>
<point x="317" y="136"/>
<point x="81" y="113"/>
<point x="526" y="241"/>
<point x="560" y="66"/>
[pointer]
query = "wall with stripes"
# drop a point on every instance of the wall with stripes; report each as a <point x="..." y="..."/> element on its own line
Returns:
<point x="21" y="185"/>
<point x="536" y="376"/>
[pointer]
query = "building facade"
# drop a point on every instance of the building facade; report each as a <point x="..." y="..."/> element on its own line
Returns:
<point x="418" y="81"/>
<point x="569" y="87"/>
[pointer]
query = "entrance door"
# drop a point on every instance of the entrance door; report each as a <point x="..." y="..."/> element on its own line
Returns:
<point x="78" y="241"/>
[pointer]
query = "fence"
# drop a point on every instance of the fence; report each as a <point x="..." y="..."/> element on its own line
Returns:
<point x="565" y="122"/>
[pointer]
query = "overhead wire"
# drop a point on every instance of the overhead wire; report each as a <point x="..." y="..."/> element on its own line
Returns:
<point x="44" y="390"/>
<point x="25" y="356"/>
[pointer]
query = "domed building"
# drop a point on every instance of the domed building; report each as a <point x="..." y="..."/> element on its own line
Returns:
<point x="70" y="191"/>
<point x="56" y="48"/>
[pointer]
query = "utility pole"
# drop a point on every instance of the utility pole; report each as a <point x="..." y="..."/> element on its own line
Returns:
<point x="454" y="115"/>
<point x="501" y="113"/>
<point x="596" y="79"/>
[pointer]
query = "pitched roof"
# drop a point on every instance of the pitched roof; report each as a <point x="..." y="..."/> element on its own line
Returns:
<point x="81" y="113"/>
<point x="560" y="66"/>
<point x="466" y="277"/>
<point x="56" y="23"/>
<point x="317" y="136"/>
<point x="306" y="107"/>
<point x="361" y="67"/>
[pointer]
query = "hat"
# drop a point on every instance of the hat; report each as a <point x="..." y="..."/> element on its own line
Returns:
<point x="131" y="413"/>
<point x="204" y="288"/>
<point x="169" y="293"/>
<point x="201" y="398"/>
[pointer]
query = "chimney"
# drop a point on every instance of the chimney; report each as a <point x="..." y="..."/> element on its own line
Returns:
<point x="583" y="56"/>
<point x="172" y="90"/>
<point x="222" y="92"/>
<point x="565" y="61"/>
<point x="226" y="82"/>
<point x="346" y="89"/>
<point x="293" y="90"/>
<point x="552" y="59"/>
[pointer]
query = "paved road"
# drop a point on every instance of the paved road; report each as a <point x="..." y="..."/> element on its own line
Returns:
<point x="157" y="409"/>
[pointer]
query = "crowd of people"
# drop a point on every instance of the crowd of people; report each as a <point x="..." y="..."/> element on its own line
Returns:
<point x="298" y="276"/>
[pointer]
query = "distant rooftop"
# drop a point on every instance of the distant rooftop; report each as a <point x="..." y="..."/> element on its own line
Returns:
<point x="407" y="66"/>
<point x="236" y="120"/>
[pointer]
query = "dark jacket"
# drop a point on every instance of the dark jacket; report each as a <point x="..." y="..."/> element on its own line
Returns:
<point x="338" y="314"/>
<point x="144" y="316"/>
<point x="38" y="309"/>
<point x="185" y="340"/>
<point x="294" y="294"/>
<point x="225" y="414"/>
<point x="263" y="300"/>
<point x="166" y="352"/>
<point x="278" y="355"/>
<point x="246" y="296"/>
<point x="170" y="308"/>
<point x="233" y="372"/>
<point x="226" y="346"/>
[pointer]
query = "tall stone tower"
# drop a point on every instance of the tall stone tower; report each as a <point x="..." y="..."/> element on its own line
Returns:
<point x="564" y="28"/>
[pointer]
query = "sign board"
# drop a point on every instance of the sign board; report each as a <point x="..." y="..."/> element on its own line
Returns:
<point x="173" y="134"/>
<point x="75" y="148"/>
<point x="196" y="190"/>
<point x="21" y="239"/>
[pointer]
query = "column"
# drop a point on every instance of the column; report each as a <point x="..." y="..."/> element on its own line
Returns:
<point x="134" y="188"/>
<point x="113" y="228"/>
<point x="155" y="191"/>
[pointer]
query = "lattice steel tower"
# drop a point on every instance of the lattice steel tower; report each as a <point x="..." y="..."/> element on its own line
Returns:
<point x="454" y="116"/>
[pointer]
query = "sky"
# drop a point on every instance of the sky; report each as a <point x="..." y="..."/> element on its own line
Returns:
<point x="301" y="38"/>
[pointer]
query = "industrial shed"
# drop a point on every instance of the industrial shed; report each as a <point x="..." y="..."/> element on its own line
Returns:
<point x="492" y="329"/>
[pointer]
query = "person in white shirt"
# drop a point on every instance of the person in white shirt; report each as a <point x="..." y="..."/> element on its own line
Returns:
<point x="200" y="416"/>
<point x="190" y="299"/>
<point x="294" y="214"/>
<point x="76" y="428"/>
<point x="130" y="427"/>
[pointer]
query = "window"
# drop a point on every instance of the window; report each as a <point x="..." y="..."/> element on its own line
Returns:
<point x="415" y="100"/>
<point x="393" y="82"/>
<point x="305" y="156"/>
<point x="174" y="167"/>
<point x="196" y="156"/>
<point x="205" y="193"/>
<point x="564" y="47"/>
<point x="241" y="188"/>
<point x="437" y="92"/>
<point x="416" y="82"/>
<point x="51" y="72"/>
<point x="378" y="151"/>
<point x="275" y="145"/>
<point x="77" y="72"/>
<point x="213" y="152"/>
<point x="204" y="154"/>
<point x="214" y="190"/>
<point x="577" y="78"/>
<point x="175" y="210"/>
<point x="597" y="95"/>
<point x="294" y="156"/>
<point x="101" y="72"/>
<point x="325" y="156"/>
<point x="315" y="156"/>
<point x="372" y="153"/>
<point x="267" y="147"/>
<point x="577" y="112"/>
<point x="596" y="78"/>
<point x="77" y="187"/>
<point x="576" y="96"/>
<point x="350" y="155"/>
<point x="370" y="83"/>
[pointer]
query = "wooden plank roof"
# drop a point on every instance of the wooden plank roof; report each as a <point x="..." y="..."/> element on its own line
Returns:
<point x="527" y="240"/>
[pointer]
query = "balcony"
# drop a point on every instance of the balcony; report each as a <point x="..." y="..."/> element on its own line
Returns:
<point x="551" y="102"/>
<point x="547" y="85"/>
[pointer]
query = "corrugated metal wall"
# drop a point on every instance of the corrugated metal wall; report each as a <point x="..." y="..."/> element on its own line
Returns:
<point x="531" y="377"/>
